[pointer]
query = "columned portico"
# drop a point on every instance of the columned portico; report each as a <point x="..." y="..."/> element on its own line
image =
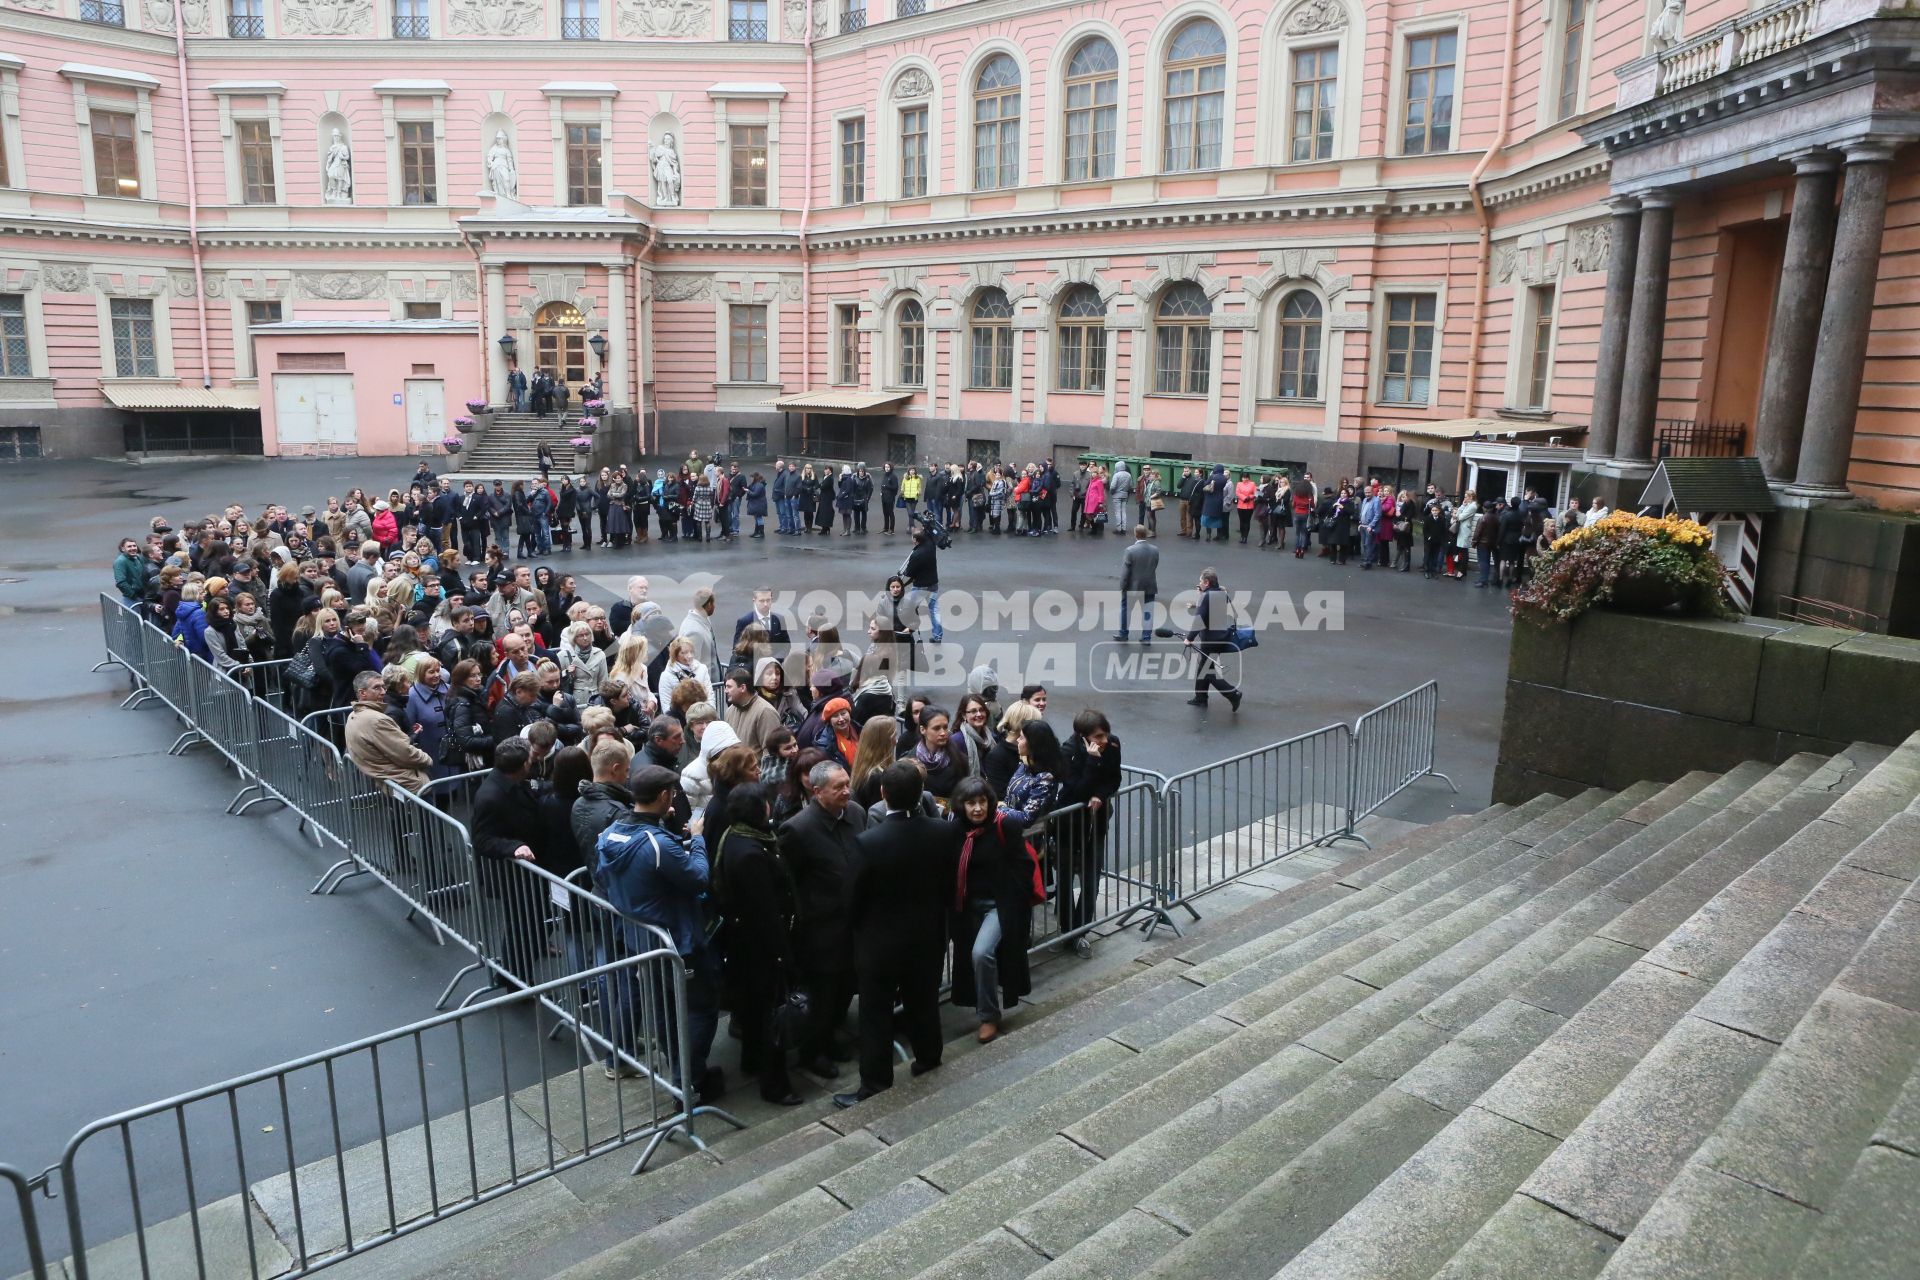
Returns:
<point x="1646" y="335"/>
<point x="1797" y="310"/>
<point x="1833" y="397"/>
<point x="1611" y="361"/>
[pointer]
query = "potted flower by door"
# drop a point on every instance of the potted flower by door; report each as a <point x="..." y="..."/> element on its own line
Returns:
<point x="591" y="423"/>
<point x="1629" y="563"/>
<point x="452" y="446"/>
<point x="593" y="410"/>
<point x="464" y="424"/>
<point x="582" y="454"/>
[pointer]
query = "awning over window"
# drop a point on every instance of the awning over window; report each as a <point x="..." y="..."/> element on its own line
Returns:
<point x="1442" y="435"/>
<point x="843" y="400"/>
<point x="162" y="397"/>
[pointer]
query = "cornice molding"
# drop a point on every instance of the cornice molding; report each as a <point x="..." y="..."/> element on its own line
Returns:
<point x="91" y="33"/>
<point x="527" y="52"/>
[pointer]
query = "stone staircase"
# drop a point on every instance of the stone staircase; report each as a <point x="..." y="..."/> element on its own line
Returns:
<point x="1667" y="1032"/>
<point x="508" y="446"/>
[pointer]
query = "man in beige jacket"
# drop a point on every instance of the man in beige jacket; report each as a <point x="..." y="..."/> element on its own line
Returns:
<point x="748" y="714"/>
<point x="381" y="748"/>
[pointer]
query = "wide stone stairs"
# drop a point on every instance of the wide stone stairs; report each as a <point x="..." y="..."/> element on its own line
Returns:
<point x="1667" y="1032"/>
<point x="510" y="445"/>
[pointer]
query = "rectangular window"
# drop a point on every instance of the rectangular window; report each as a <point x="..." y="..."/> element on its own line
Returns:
<point x="913" y="153"/>
<point x="909" y="8"/>
<point x="412" y="20"/>
<point x="13" y="337"/>
<point x="992" y="362"/>
<point x="246" y="20"/>
<point x="746" y="19"/>
<point x="422" y="311"/>
<point x="1092" y="108"/>
<point x="1540" y="346"/>
<point x="1316" y="84"/>
<point x="747" y="343"/>
<point x="418" y="182"/>
<point x="747" y="160"/>
<point x="116" y="162"/>
<point x="580" y="20"/>
<point x="853" y="161"/>
<point x="1572" y="46"/>
<point x="846" y="344"/>
<point x="1083" y="355"/>
<point x="258" y="313"/>
<point x="255" y="140"/>
<point x="133" y="349"/>
<point x="583" y="164"/>
<point x="853" y="16"/>
<point x="903" y="448"/>
<point x="1181" y="364"/>
<point x="105" y="13"/>
<point x="1429" y="85"/>
<point x="1408" y="377"/>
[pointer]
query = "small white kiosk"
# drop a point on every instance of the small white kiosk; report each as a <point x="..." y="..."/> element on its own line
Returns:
<point x="1502" y="457"/>
<point x="1728" y="495"/>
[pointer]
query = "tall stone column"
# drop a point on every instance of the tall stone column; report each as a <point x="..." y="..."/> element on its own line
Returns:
<point x="1611" y="362"/>
<point x="496" y="303"/>
<point x="1646" y="334"/>
<point x="1839" y="360"/>
<point x="1796" y="315"/>
<point x="618" y="326"/>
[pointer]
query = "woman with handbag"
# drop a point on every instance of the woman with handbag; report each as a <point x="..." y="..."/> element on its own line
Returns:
<point x="1156" y="503"/>
<point x="756" y="900"/>
<point x="993" y="898"/>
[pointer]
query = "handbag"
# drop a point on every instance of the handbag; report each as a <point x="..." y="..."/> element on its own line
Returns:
<point x="1242" y="639"/>
<point x="789" y="1020"/>
<point x="1157" y="503"/>
<point x="302" y="668"/>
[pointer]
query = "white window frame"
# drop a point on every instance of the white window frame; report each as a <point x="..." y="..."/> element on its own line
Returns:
<point x="244" y="364"/>
<point x="1053" y="151"/>
<point x="963" y="118"/>
<point x="1153" y="132"/>
<point x="840" y="122"/>
<point x="577" y="103"/>
<point x="1274" y="119"/>
<point x="1274" y="316"/>
<point x="843" y="330"/>
<point x="88" y="84"/>
<point x="104" y="298"/>
<point x="886" y="161"/>
<point x="1520" y="350"/>
<point x="268" y="93"/>
<point x="889" y="371"/>
<point x="10" y="142"/>
<point x="1404" y="34"/>
<point x="1056" y="319"/>
<point x="1382" y="296"/>
<point x="563" y="180"/>
<point x="1552" y="37"/>
<point x="723" y="96"/>
<point x="413" y="102"/>
<point x="767" y="353"/>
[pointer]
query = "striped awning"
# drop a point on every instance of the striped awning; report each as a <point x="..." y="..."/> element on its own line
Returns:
<point x="163" y="397"/>
<point x="845" y="400"/>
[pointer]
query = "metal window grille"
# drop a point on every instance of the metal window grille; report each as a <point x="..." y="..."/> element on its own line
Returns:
<point x="103" y="12"/>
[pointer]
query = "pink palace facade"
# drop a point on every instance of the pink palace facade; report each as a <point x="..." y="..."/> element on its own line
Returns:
<point x="1315" y="232"/>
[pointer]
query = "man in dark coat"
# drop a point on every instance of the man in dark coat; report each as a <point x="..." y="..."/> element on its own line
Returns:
<point x="507" y="828"/>
<point x="818" y="845"/>
<point x="764" y="616"/>
<point x="897" y="907"/>
<point x="1212" y="632"/>
<point x="1091" y="776"/>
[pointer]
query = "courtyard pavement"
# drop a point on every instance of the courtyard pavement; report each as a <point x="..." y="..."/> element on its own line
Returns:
<point x="151" y="944"/>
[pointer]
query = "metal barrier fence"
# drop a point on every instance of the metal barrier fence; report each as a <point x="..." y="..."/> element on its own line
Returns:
<point x="1102" y="866"/>
<point x="254" y="1176"/>
<point x="29" y="1222"/>
<point x="1393" y="749"/>
<point x="266" y="680"/>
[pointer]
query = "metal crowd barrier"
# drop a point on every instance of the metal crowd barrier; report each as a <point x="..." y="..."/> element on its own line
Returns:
<point x="266" y="680"/>
<point x="28" y="1219"/>
<point x="1101" y="866"/>
<point x="1393" y="749"/>
<point x="256" y="1175"/>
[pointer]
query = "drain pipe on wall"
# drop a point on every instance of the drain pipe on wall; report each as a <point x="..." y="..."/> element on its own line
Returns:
<point x="193" y="189"/>
<point x="806" y="212"/>
<point x="1480" y="208"/>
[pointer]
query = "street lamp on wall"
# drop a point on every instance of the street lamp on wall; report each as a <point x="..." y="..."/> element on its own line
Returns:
<point x="599" y="344"/>
<point x="507" y="346"/>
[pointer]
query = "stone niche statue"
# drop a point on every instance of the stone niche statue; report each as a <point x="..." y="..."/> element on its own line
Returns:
<point x="337" y="172"/>
<point x="503" y="175"/>
<point x="1670" y="28"/>
<point x="664" y="161"/>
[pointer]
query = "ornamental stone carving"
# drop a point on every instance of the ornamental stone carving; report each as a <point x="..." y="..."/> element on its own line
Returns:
<point x="464" y="287"/>
<point x="1515" y="265"/>
<point x="341" y="286"/>
<point x="663" y="163"/>
<point x="914" y="83"/>
<point x="495" y="17"/>
<point x="665" y="18"/>
<point x="66" y="277"/>
<point x="336" y="171"/>
<point x="1316" y="16"/>
<point x="326" y="17"/>
<point x="503" y="174"/>
<point x="159" y="15"/>
<point x="42" y="6"/>
<point x="1670" y="27"/>
<point x="182" y="282"/>
<point x="682" y="287"/>
<point x="1591" y="248"/>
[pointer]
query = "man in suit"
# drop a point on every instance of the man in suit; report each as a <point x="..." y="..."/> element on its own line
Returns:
<point x="819" y="846"/>
<point x="1213" y="633"/>
<point x="1139" y="584"/>
<point x="763" y="616"/>
<point x="506" y="828"/>
<point x="897" y="905"/>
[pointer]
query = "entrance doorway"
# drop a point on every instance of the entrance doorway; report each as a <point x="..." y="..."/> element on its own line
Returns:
<point x="560" y="342"/>
<point x="1752" y="256"/>
<point x="426" y="413"/>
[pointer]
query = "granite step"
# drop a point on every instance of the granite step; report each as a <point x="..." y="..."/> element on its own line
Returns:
<point x="1520" y="1126"/>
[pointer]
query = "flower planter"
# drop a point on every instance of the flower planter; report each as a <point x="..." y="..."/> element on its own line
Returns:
<point x="1643" y="593"/>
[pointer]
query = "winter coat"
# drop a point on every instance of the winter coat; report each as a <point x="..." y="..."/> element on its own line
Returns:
<point x="757" y="498"/>
<point x="382" y="750"/>
<point x="465" y="732"/>
<point x="995" y="867"/>
<point x="598" y="806"/>
<point x="428" y="708"/>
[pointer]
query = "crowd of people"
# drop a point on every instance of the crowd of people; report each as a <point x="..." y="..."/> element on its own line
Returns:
<point x="814" y="827"/>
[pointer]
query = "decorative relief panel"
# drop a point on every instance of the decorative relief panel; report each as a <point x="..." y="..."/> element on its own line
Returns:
<point x="681" y="287"/>
<point x="1590" y="248"/>
<point x="913" y="83"/>
<point x="495" y="17"/>
<point x="341" y="286"/>
<point x="1316" y="16"/>
<point x="658" y="18"/>
<point x="326" y="17"/>
<point x="66" y="277"/>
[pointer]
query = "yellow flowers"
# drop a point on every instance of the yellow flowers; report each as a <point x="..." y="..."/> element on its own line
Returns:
<point x="1671" y="529"/>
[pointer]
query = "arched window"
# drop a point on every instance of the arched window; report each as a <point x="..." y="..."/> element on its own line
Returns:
<point x="992" y="336"/>
<point x="1082" y="340"/>
<point x="996" y="124"/>
<point x="1093" y="96"/>
<point x="1181" y="341"/>
<point x="1300" y="322"/>
<point x="913" y="344"/>
<point x="1196" y="98"/>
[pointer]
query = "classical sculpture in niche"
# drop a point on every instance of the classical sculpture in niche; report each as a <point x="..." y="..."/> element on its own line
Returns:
<point x="336" y="172"/>
<point x="503" y="175"/>
<point x="1670" y="28"/>
<point x="664" y="161"/>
